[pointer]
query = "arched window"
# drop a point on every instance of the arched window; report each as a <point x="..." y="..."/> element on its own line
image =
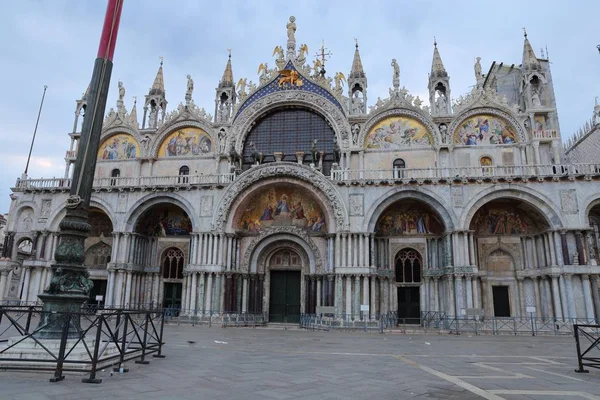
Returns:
<point x="408" y="266"/>
<point x="173" y="264"/>
<point x="184" y="171"/>
<point x="398" y="166"/>
<point x="115" y="173"/>
<point x="25" y="246"/>
<point x="98" y="256"/>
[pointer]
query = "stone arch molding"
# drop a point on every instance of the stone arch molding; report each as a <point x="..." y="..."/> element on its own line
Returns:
<point x="286" y="170"/>
<point x="396" y="194"/>
<point x="399" y="112"/>
<point x="269" y="251"/>
<point x="166" y="130"/>
<point x="508" y="116"/>
<point x="153" y="199"/>
<point x="283" y="233"/>
<point x="537" y="200"/>
<point x="589" y="203"/>
<point x="243" y="122"/>
<point x="516" y="259"/>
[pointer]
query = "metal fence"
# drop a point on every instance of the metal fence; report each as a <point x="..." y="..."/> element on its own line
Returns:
<point x="588" y="351"/>
<point x="108" y="338"/>
<point x="439" y="321"/>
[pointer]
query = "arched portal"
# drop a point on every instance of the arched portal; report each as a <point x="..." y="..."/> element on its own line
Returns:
<point x="291" y="131"/>
<point x="172" y="264"/>
<point x="593" y="237"/>
<point x="284" y="268"/>
<point x="510" y="236"/>
<point x="408" y="272"/>
<point x="98" y="253"/>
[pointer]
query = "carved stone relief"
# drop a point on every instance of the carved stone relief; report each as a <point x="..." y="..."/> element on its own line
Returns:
<point x="568" y="201"/>
<point x="356" y="205"/>
<point x="46" y="210"/>
<point x="206" y="206"/>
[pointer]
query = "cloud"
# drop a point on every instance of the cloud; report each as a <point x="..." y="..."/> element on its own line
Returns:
<point x="54" y="43"/>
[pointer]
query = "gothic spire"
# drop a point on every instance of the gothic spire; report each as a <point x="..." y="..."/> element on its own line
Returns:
<point x="530" y="61"/>
<point x="227" y="79"/>
<point x="357" y="68"/>
<point x="133" y="114"/>
<point x="437" y="66"/>
<point x="158" y="87"/>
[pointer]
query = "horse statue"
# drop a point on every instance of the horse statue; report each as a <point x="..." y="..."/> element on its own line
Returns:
<point x="256" y="155"/>
<point x="235" y="159"/>
<point x="316" y="154"/>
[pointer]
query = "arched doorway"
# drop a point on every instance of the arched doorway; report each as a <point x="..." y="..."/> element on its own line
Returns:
<point x="285" y="268"/>
<point x="172" y="264"/>
<point x="408" y="271"/>
<point x="98" y="251"/>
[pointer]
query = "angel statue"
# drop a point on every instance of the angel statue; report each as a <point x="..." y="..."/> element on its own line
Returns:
<point x="339" y="79"/>
<point x="280" y="60"/>
<point x="396" y="76"/>
<point x="263" y="70"/>
<point x="241" y="85"/>
<point x="477" y="68"/>
<point x="302" y="51"/>
<point x="190" y="88"/>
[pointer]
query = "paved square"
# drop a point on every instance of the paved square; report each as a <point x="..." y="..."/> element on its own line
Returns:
<point x="262" y="363"/>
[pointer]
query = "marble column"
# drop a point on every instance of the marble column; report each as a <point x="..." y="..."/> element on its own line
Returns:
<point x="185" y="292"/>
<point x="373" y="306"/>
<point x="469" y="284"/>
<point x="200" y="293"/>
<point x="436" y="294"/>
<point x="338" y="245"/>
<point x="451" y="304"/>
<point x="26" y="279"/>
<point x="218" y="294"/>
<point x="556" y="298"/>
<point x="192" y="296"/>
<point x="587" y="297"/>
<point x="356" y="295"/>
<point x="521" y="310"/>
<point x="319" y="291"/>
<point x="595" y="296"/>
<point x="550" y="241"/>
<point x="458" y="294"/>
<point x="383" y="285"/>
<point x="338" y="300"/>
<point x="3" y="280"/>
<point x="536" y="291"/>
<point x="558" y="249"/>
<point x="570" y="298"/>
<point x="348" y="310"/>
<point x="244" y="293"/>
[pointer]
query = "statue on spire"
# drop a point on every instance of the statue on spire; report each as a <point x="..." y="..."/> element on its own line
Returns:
<point x="477" y="68"/>
<point x="190" y="89"/>
<point x="291" y="42"/>
<point x="396" y="76"/>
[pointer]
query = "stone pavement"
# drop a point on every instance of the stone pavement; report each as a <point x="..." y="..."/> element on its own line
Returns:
<point x="262" y="363"/>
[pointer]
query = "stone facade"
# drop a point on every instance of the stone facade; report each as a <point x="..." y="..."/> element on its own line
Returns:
<point x="295" y="195"/>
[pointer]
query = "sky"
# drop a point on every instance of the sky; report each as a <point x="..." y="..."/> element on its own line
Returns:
<point x="55" y="42"/>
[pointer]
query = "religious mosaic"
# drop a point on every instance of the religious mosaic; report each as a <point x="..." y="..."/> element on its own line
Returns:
<point x="186" y="142"/>
<point x="119" y="147"/>
<point x="540" y="122"/>
<point x="408" y="218"/>
<point x="281" y="206"/>
<point x="164" y="220"/>
<point x="484" y="129"/>
<point x="504" y="219"/>
<point x="394" y="133"/>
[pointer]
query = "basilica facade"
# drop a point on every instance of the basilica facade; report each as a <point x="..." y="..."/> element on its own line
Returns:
<point x="300" y="192"/>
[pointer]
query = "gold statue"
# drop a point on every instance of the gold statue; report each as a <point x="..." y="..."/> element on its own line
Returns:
<point x="279" y="51"/>
<point x="289" y="76"/>
<point x="303" y="51"/>
<point x="339" y="79"/>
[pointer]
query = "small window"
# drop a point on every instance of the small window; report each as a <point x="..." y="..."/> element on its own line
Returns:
<point x="115" y="173"/>
<point x="398" y="166"/>
<point x="173" y="264"/>
<point x="183" y="173"/>
<point x="408" y="266"/>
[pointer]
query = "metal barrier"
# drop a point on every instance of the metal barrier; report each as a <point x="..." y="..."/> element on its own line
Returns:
<point x="178" y="316"/>
<point x="587" y="357"/>
<point x="108" y="338"/>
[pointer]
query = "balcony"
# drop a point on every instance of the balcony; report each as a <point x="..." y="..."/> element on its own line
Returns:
<point x="545" y="134"/>
<point x="132" y="183"/>
<point x="423" y="175"/>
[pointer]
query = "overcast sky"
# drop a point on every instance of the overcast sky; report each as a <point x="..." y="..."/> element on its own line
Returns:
<point x="54" y="43"/>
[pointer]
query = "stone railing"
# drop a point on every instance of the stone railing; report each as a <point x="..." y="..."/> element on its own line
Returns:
<point x="542" y="134"/>
<point x="127" y="182"/>
<point x="461" y="173"/>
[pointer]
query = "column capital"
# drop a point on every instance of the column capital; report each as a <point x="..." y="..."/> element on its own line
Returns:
<point x="585" y="277"/>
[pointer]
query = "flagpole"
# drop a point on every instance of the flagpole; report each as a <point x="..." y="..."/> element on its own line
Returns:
<point x="70" y="284"/>
<point x="34" y="132"/>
